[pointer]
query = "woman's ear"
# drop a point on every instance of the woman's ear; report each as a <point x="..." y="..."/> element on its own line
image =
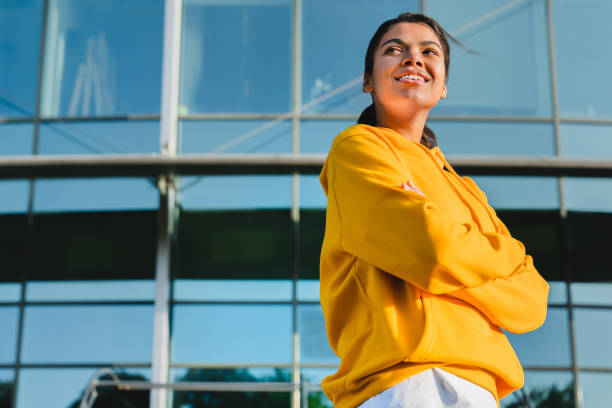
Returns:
<point x="367" y="86"/>
<point x="443" y="91"/>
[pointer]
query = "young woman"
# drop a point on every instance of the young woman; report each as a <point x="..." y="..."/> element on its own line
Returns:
<point x="418" y="274"/>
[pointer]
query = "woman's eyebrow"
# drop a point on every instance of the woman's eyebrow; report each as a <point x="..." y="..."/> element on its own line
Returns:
<point x="403" y="44"/>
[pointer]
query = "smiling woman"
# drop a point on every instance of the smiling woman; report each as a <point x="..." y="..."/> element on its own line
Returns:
<point x="418" y="274"/>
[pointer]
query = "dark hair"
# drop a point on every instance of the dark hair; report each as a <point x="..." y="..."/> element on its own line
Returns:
<point x="368" y="116"/>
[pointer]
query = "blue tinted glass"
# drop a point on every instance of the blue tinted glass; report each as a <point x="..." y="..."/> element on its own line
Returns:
<point x="543" y="388"/>
<point x="498" y="83"/>
<point x="335" y="39"/>
<point x="592" y="293"/>
<point x="584" y="26"/>
<point x="593" y="334"/>
<point x="316" y="375"/>
<point x="548" y="345"/>
<point x="596" y="390"/>
<point x="14" y="195"/>
<point x="16" y="138"/>
<point x="6" y="387"/>
<point x="317" y="136"/>
<point x="588" y="194"/>
<point x="89" y="290"/>
<point x="231" y="334"/>
<point x="99" y="138"/>
<point x="311" y="193"/>
<point x="237" y="290"/>
<point x="10" y="292"/>
<point x="9" y="316"/>
<point x="95" y="194"/>
<point x="235" y="192"/>
<point x="515" y="192"/>
<point x="473" y="138"/>
<point x="96" y="63"/>
<point x="557" y="292"/>
<point x="308" y="290"/>
<point x="78" y="334"/>
<point x="246" y="374"/>
<point x="61" y="388"/>
<point x="314" y="347"/>
<point x="248" y="136"/>
<point x="586" y="140"/>
<point x="236" y="56"/>
<point x="20" y="23"/>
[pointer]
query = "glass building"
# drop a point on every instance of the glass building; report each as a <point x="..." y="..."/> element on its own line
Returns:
<point x="209" y="275"/>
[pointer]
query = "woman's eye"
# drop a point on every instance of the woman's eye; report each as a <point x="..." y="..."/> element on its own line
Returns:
<point x="430" y="51"/>
<point x="393" y="50"/>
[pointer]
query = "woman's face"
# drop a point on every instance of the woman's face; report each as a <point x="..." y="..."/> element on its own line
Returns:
<point x="408" y="74"/>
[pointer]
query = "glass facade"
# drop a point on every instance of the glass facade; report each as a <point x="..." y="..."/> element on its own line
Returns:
<point x="80" y="287"/>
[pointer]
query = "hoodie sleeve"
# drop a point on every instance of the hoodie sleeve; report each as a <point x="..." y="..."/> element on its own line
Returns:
<point x="404" y="233"/>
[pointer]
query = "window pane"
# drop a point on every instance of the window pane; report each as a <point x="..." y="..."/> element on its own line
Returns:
<point x="12" y="246"/>
<point x="592" y="293"/>
<point x="546" y="346"/>
<point x="333" y="53"/>
<point x="92" y="290"/>
<point x="515" y="192"/>
<point x="242" y="374"/>
<point x="6" y="387"/>
<point x="586" y="140"/>
<point x="9" y="318"/>
<point x="314" y="347"/>
<point x="585" y="26"/>
<point x="596" y="390"/>
<point x="317" y="136"/>
<point x="493" y="138"/>
<point x="312" y="229"/>
<point x="308" y="290"/>
<point x="20" y="23"/>
<point x="231" y="334"/>
<point x="187" y="399"/>
<point x="94" y="245"/>
<point x="557" y="292"/>
<point x="14" y="195"/>
<point x="10" y="292"/>
<point x="61" y="388"/>
<point x="236" y="56"/>
<point x="311" y="193"/>
<point x="243" y="136"/>
<point x="593" y="334"/>
<point x="79" y="334"/>
<point x="588" y="194"/>
<point x="228" y="290"/>
<point x="543" y="389"/>
<point x="15" y="138"/>
<point x="590" y="252"/>
<point x="56" y="195"/>
<point x="508" y="33"/>
<point x="99" y="138"/>
<point x="96" y="63"/>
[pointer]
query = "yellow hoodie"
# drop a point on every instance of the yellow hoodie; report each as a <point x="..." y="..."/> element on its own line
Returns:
<point x="417" y="278"/>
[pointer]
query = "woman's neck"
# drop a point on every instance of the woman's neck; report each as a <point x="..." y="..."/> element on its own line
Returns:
<point x="411" y="128"/>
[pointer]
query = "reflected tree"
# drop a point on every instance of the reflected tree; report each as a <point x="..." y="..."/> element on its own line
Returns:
<point x="112" y="397"/>
<point x="6" y="394"/>
<point x="543" y="397"/>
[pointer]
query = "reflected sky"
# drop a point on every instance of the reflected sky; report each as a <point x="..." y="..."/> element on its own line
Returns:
<point x="586" y="293"/>
<point x="16" y="138"/>
<point x="14" y="195"/>
<point x="592" y="141"/>
<point x="90" y="290"/>
<point x="588" y="194"/>
<point x="317" y="136"/>
<point x="596" y="390"/>
<point x="593" y="333"/>
<point x="308" y="290"/>
<point x="312" y="195"/>
<point x="78" y="334"/>
<point x="231" y="334"/>
<point x="516" y="192"/>
<point x="314" y="347"/>
<point x="557" y="292"/>
<point x="10" y="292"/>
<point x="9" y="317"/>
<point x="540" y="381"/>
<point x="233" y="290"/>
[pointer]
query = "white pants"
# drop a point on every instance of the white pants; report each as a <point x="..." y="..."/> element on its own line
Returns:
<point x="433" y="388"/>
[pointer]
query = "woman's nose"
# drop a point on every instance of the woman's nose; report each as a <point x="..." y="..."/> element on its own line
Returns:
<point x="412" y="58"/>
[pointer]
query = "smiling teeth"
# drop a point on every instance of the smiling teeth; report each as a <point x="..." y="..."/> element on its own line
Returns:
<point x="417" y="77"/>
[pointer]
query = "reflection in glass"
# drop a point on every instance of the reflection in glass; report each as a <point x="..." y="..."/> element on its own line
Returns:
<point x="6" y="387"/>
<point x="312" y="377"/>
<point x="236" y="57"/>
<point x="10" y="292"/>
<point x="311" y="193"/>
<point x="543" y="389"/>
<point x="548" y="345"/>
<point x="314" y="347"/>
<point x="96" y="64"/>
<point x="231" y="334"/>
<point x="61" y="388"/>
<point x="588" y="194"/>
<point x="90" y="290"/>
<point x="317" y="136"/>
<point x="585" y="26"/>
<point x="20" y="39"/>
<point x="558" y="292"/>
<point x="579" y="140"/>
<point x="242" y="374"/>
<point x="333" y="53"/>
<point x="232" y="290"/>
<point x="516" y="192"/>
<point x="59" y="195"/>
<point x="494" y="138"/>
<point x="312" y="229"/>
<point x="99" y="137"/>
<point x="596" y="390"/>
<point x="308" y="290"/>
<point x="488" y="85"/>
<point x="244" y="136"/>
<point x="15" y="138"/>
<point x="585" y="293"/>
<point x="593" y="334"/>
<point x="9" y="317"/>
<point x="14" y="195"/>
<point x="591" y="253"/>
<point x="235" y="192"/>
<point x="12" y="246"/>
<point x="78" y="334"/>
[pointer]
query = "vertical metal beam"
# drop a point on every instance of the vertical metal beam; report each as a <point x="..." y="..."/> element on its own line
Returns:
<point x="295" y="196"/>
<point x="422" y="7"/>
<point x="167" y="200"/>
